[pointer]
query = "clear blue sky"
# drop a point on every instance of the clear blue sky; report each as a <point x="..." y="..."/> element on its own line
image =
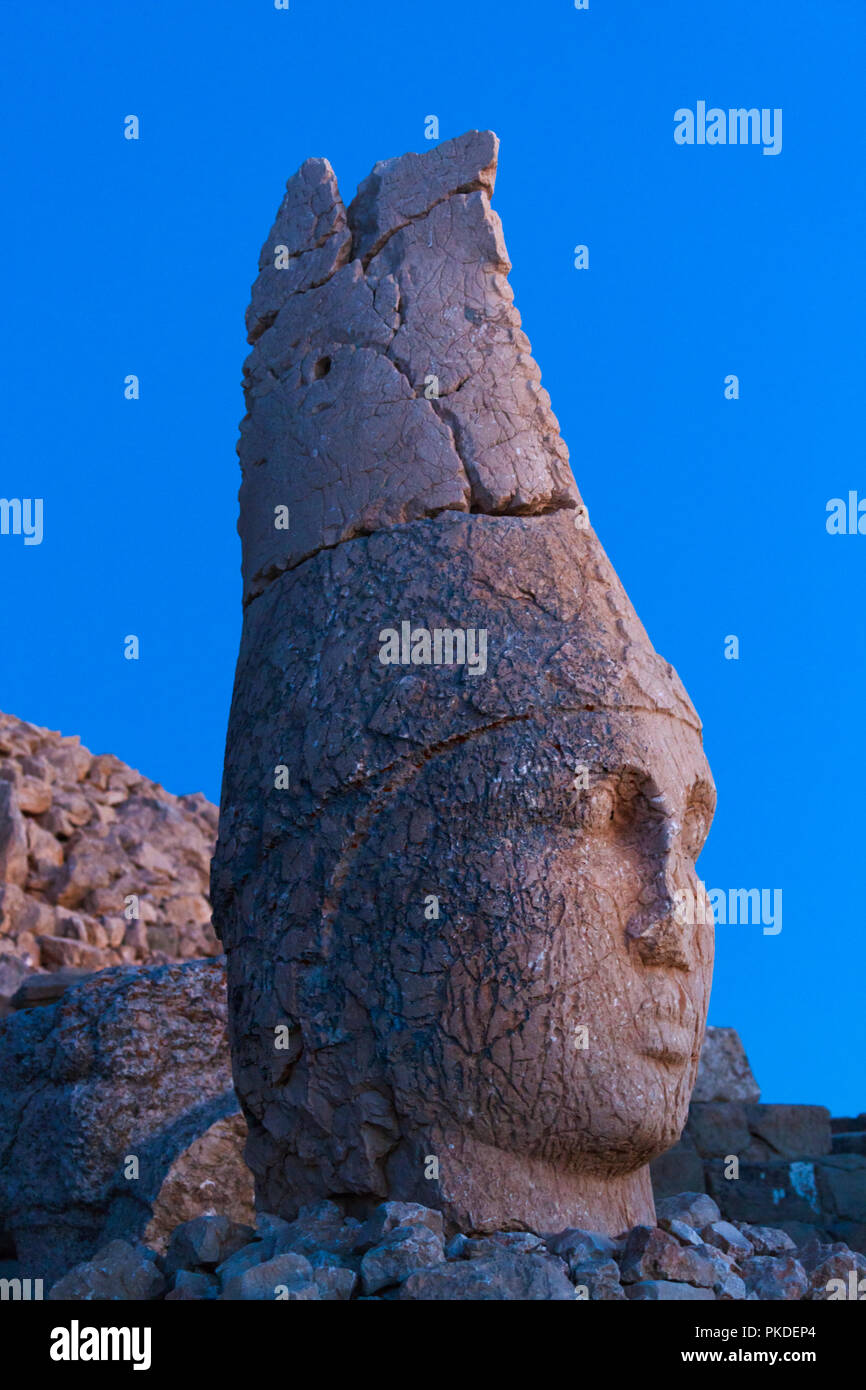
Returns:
<point x="120" y="257"/>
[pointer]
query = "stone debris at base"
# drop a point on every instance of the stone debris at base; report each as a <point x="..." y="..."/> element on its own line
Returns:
<point x="400" y="1252"/>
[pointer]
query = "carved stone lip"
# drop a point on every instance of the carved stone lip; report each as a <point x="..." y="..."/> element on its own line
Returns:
<point x="667" y="1023"/>
<point x="667" y="1042"/>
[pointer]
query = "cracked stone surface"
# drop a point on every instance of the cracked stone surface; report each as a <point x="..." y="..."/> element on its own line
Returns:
<point x="129" y="1064"/>
<point x="447" y="895"/>
<point x="390" y="379"/>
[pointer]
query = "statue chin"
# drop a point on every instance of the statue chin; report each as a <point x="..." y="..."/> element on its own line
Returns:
<point x="486" y="1189"/>
<point x="573" y="1175"/>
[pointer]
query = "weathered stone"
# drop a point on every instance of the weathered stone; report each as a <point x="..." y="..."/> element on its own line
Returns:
<point x="730" y="1287"/>
<point x="774" y="1277"/>
<point x="848" y="1124"/>
<point x="765" y="1240"/>
<point x="727" y="1238"/>
<point x="651" y="1253"/>
<point x="13" y="837"/>
<point x="120" y="1270"/>
<point x="588" y="1255"/>
<point x="12" y="899"/>
<point x="377" y="328"/>
<point x="512" y="1277"/>
<point x="790" y="1131"/>
<point x="205" y="1242"/>
<point x="719" y="1128"/>
<point x="853" y="1233"/>
<point x="727" y="1283"/>
<point x="574" y="1243"/>
<point x="685" y="1234"/>
<point x="403" y="1250"/>
<point x="804" y="1232"/>
<point x="322" y="1226"/>
<point x="192" y="1286"/>
<point x="815" y="1251"/>
<point x="273" y="1230"/>
<point x="696" y="1209"/>
<point x="389" y="1215"/>
<point x="256" y="1253"/>
<point x="724" y="1073"/>
<point x="311" y="225"/>
<point x="44" y="857"/>
<point x="34" y="796"/>
<point x="398" y="443"/>
<point x="519" y="1242"/>
<point x="286" y="1277"/>
<point x="85" y="837"/>
<point x="23" y="918"/>
<point x="849" y="1143"/>
<point x="209" y="1175"/>
<point x="678" y="1170"/>
<point x="14" y="974"/>
<point x="840" y="1276"/>
<point x="101" y="1092"/>
<point x="841" y="1183"/>
<point x="598" y="1281"/>
<point x="766" y="1194"/>
<point x="58" y="953"/>
<point x="663" y="1291"/>
<point x="335" y="1283"/>
<point x="399" y="191"/>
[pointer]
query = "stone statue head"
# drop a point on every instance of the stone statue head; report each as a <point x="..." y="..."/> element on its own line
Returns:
<point x="463" y="793"/>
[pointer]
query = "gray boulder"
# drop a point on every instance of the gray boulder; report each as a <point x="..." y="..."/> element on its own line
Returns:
<point x="286" y="1277"/>
<point x="119" y="1271"/>
<point x="789" y="1131"/>
<point x="724" y="1073"/>
<point x="774" y="1278"/>
<point x="101" y="1093"/>
<point x="841" y="1276"/>
<point x="192" y="1286"/>
<point x="766" y="1240"/>
<point x="664" y="1291"/>
<point x="651" y="1253"/>
<point x="597" y="1281"/>
<point x="205" y="1242"/>
<point x="695" y="1209"/>
<point x="678" y="1170"/>
<point x="404" y="1250"/>
<point x="518" y="1278"/>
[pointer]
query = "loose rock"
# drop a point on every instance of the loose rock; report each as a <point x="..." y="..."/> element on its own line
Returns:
<point x="774" y="1277"/>
<point x="404" y="1250"/>
<point x="508" y="1277"/>
<point x="119" y="1271"/>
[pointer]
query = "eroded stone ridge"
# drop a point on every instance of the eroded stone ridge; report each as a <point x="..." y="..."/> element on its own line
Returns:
<point x="390" y="379"/>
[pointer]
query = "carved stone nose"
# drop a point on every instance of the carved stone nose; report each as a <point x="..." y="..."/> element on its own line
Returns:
<point x="661" y="942"/>
<point x="655" y="933"/>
